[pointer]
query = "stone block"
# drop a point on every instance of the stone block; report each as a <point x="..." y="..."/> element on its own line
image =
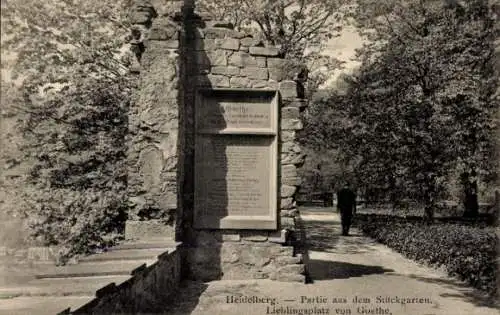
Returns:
<point x="231" y="237"/>
<point x="290" y="113"/>
<point x="278" y="237"/>
<point x="287" y="222"/>
<point x="288" y="89"/>
<point x="229" y="43"/>
<point x="299" y="103"/>
<point x="261" y="62"/>
<point x="287" y="135"/>
<point x="260" y="84"/>
<point x="264" y="51"/>
<point x="230" y="254"/>
<point x="229" y="70"/>
<point x="217" y="58"/>
<point x="256" y="256"/>
<point x="242" y="59"/>
<point x="287" y="191"/>
<point x="291" y="124"/>
<point x="277" y="74"/>
<point x="236" y="82"/>
<point x="277" y="63"/>
<point x="148" y="229"/>
<point x="294" y="181"/>
<point x="295" y="269"/>
<point x="288" y="171"/>
<point x="290" y="147"/>
<point x="205" y="44"/>
<point x="290" y="277"/>
<point x="213" y="80"/>
<point x="293" y="158"/>
<point x="254" y="73"/>
<point x="290" y="210"/>
<point x="287" y="203"/>
<point x="284" y="260"/>
<point x="250" y="41"/>
<point x="273" y="85"/>
<point x="213" y="58"/>
<point x="217" y="32"/>
<point x="255" y="238"/>
<point x="172" y="44"/>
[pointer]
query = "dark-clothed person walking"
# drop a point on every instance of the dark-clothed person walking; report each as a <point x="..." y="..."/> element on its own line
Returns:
<point x="346" y="204"/>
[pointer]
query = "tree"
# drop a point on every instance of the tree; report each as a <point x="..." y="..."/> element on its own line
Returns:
<point x="68" y="61"/>
<point x="421" y="105"/>
<point x="76" y="188"/>
<point x="49" y="41"/>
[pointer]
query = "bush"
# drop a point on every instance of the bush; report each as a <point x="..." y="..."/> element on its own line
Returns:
<point x="465" y="250"/>
<point x="77" y="185"/>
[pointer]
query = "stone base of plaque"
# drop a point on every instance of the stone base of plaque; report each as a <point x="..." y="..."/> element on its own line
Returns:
<point x="148" y="229"/>
<point x="238" y="255"/>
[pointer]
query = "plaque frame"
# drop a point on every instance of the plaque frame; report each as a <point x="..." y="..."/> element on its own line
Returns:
<point x="231" y="221"/>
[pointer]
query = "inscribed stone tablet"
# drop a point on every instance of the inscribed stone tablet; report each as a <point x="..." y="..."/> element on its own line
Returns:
<point x="221" y="112"/>
<point x="233" y="175"/>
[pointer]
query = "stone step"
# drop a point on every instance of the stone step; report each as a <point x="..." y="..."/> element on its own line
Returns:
<point x="148" y="243"/>
<point x="95" y="268"/>
<point x="74" y="286"/>
<point x="126" y="254"/>
<point x="41" y="305"/>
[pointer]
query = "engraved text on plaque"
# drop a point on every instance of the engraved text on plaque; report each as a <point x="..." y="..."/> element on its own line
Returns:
<point x="235" y="160"/>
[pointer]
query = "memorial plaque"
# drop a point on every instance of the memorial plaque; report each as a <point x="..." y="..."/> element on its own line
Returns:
<point x="231" y="112"/>
<point x="236" y="160"/>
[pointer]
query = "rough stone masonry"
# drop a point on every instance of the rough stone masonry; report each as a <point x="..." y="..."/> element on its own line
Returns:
<point x="179" y="52"/>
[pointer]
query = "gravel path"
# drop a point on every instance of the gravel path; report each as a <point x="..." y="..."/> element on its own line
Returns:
<point x="351" y="275"/>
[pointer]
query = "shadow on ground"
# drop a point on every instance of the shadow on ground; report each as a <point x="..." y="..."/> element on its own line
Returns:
<point x="328" y="270"/>
<point x="325" y="237"/>
<point x="463" y="291"/>
<point x="186" y="298"/>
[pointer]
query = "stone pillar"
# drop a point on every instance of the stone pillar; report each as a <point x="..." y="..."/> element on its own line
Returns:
<point x="154" y="120"/>
<point x="219" y="57"/>
<point x="178" y="53"/>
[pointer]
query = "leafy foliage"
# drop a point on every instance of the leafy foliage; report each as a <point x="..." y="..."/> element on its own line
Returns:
<point x="78" y="182"/>
<point x="49" y="41"/>
<point x="420" y="106"/>
<point x="465" y="250"/>
<point x="69" y="60"/>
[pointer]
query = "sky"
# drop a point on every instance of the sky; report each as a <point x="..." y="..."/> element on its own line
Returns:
<point x="344" y="48"/>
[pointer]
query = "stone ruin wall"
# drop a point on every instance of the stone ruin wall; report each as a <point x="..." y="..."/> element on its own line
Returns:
<point x="154" y="120"/>
<point x="217" y="56"/>
<point x="180" y="52"/>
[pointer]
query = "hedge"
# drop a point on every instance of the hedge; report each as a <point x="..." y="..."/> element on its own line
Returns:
<point x="467" y="250"/>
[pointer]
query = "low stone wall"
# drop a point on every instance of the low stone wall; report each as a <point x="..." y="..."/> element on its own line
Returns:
<point x="146" y="291"/>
